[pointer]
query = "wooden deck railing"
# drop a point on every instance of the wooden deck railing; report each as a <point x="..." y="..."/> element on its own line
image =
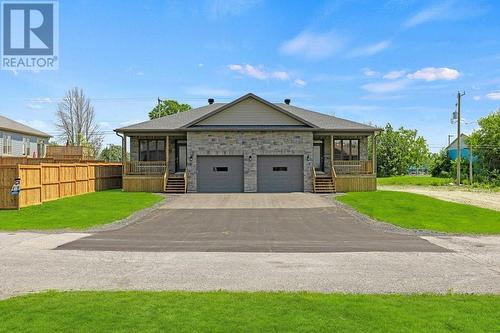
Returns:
<point x="352" y="167"/>
<point x="145" y="167"/>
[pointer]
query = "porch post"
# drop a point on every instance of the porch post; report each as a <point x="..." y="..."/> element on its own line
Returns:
<point x="374" y="153"/>
<point x="167" y="153"/>
<point x="331" y="154"/>
<point x="124" y="154"/>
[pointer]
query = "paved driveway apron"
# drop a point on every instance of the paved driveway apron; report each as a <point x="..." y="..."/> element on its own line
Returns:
<point x="295" y="222"/>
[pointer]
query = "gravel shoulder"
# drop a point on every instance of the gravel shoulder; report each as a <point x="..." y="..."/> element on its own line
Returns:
<point x="482" y="199"/>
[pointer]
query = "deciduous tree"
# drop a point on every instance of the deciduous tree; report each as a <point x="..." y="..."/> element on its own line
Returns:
<point x="76" y="120"/>
<point x="168" y="107"/>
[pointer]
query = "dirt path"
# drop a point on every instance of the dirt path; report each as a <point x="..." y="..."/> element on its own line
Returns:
<point x="483" y="199"/>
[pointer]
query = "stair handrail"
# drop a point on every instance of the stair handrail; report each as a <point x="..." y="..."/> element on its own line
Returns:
<point x="185" y="181"/>
<point x="314" y="179"/>
<point x="165" y="181"/>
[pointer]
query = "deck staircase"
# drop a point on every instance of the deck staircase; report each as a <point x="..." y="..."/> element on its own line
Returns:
<point x="175" y="184"/>
<point x="324" y="184"/>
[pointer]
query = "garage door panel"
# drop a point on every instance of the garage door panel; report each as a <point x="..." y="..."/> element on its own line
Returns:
<point x="223" y="174"/>
<point x="280" y="173"/>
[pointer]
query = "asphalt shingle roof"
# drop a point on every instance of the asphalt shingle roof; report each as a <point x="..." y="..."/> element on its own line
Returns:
<point x="180" y="121"/>
<point x="14" y="126"/>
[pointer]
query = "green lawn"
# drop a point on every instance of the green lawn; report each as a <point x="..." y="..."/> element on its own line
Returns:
<point x="414" y="180"/>
<point x="417" y="211"/>
<point x="247" y="312"/>
<point x="78" y="212"/>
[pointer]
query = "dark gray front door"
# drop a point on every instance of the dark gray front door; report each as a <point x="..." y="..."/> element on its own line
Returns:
<point x="220" y="174"/>
<point x="280" y="173"/>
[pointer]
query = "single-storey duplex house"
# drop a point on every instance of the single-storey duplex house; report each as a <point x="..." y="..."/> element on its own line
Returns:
<point x="248" y="145"/>
<point x="19" y="140"/>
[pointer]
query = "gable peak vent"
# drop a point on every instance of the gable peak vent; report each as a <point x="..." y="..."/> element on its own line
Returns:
<point x="287" y="101"/>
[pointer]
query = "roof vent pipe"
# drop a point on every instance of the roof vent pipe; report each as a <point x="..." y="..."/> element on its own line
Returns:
<point x="211" y="101"/>
<point x="287" y="101"/>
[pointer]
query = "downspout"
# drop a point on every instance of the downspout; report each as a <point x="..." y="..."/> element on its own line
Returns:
<point x="124" y="151"/>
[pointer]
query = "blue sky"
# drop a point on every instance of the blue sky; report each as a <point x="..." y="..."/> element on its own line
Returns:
<point x="370" y="61"/>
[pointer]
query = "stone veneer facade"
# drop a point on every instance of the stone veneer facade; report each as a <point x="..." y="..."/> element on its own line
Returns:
<point x="249" y="144"/>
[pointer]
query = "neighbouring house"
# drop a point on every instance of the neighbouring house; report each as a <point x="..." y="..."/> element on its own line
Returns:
<point x="248" y="145"/>
<point x="20" y="140"/>
<point x="464" y="148"/>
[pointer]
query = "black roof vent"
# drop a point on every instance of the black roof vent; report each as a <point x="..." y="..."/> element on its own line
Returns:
<point x="287" y="101"/>
<point x="211" y="101"/>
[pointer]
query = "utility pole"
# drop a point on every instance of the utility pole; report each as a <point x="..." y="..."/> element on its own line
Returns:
<point x="459" y="153"/>
<point x="470" y="164"/>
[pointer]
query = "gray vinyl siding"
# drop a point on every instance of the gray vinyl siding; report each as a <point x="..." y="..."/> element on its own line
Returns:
<point x="17" y="143"/>
<point x="250" y="112"/>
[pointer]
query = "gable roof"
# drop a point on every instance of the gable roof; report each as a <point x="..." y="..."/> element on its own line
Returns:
<point x="312" y="120"/>
<point x="259" y="99"/>
<point x="7" y="124"/>
<point x="453" y="144"/>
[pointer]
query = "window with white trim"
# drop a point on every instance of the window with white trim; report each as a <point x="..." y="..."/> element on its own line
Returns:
<point x="26" y="146"/>
<point x="7" y="144"/>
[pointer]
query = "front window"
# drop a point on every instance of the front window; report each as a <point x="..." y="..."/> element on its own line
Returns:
<point x="152" y="150"/>
<point x="7" y="145"/>
<point x="26" y="146"/>
<point x="346" y="149"/>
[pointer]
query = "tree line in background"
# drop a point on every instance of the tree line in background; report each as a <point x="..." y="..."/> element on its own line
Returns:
<point x="401" y="150"/>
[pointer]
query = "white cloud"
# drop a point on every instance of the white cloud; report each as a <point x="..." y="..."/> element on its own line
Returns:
<point x="223" y="8"/>
<point x="280" y="75"/>
<point x="34" y="106"/>
<point x="209" y="92"/>
<point x="47" y="100"/>
<point x="433" y="13"/>
<point x="370" y="49"/>
<point x="433" y="74"/>
<point x="385" y="87"/>
<point x="39" y="103"/>
<point x="494" y="96"/>
<point x="313" y="46"/>
<point x="369" y="72"/>
<point x="258" y="72"/>
<point x="476" y="98"/>
<point x="393" y="75"/>
<point x="36" y="124"/>
<point x="300" y="82"/>
<point x="200" y="65"/>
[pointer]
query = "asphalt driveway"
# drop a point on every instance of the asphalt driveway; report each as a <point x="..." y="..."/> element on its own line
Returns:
<point x="297" y="222"/>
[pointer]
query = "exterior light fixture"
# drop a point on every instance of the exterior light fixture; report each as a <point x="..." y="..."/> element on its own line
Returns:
<point x="250" y="157"/>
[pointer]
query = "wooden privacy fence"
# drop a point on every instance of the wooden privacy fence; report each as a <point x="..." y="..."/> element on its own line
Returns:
<point x="50" y="181"/>
<point x="10" y="160"/>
